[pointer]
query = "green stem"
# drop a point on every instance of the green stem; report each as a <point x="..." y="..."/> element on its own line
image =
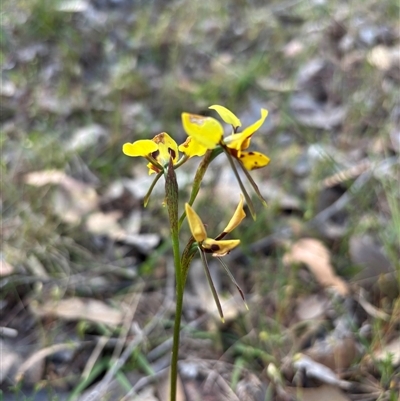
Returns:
<point x="177" y="331"/>
<point x="198" y="178"/>
<point x="171" y="197"/>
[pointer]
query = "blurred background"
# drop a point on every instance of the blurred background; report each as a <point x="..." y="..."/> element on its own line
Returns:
<point x="86" y="271"/>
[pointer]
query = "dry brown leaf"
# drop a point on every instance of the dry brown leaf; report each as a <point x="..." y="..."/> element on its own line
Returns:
<point x="74" y="200"/>
<point x="317" y="258"/>
<point x="79" y="308"/>
<point x="325" y="392"/>
<point x="316" y="370"/>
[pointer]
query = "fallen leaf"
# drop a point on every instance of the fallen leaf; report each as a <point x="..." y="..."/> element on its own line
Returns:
<point x="79" y="308"/>
<point x="318" y="371"/>
<point x="74" y="199"/>
<point x="317" y="257"/>
<point x="323" y="393"/>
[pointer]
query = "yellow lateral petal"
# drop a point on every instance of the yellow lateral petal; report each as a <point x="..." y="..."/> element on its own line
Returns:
<point x="253" y="160"/>
<point x="192" y="148"/>
<point x="143" y="148"/>
<point x="167" y="148"/>
<point x="236" y="219"/>
<point x="254" y="127"/>
<point x="237" y="142"/>
<point x="226" y="115"/>
<point x="219" y="248"/>
<point x="196" y="225"/>
<point x="207" y="131"/>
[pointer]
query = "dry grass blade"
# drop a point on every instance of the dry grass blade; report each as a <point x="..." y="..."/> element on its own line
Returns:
<point x="43" y="353"/>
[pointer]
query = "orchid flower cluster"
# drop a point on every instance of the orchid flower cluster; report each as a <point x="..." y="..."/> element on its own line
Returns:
<point x="205" y="139"/>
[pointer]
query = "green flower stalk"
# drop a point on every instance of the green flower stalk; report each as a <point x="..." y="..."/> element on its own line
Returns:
<point x="206" y="140"/>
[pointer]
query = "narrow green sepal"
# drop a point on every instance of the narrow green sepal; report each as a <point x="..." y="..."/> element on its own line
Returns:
<point x="230" y="275"/>
<point x="211" y="284"/>
<point x="253" y="184"/>
<point x="243" y="189"/>
<point x="153" y="184"/>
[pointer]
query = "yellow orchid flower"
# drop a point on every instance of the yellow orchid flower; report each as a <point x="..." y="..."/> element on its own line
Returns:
<point x="216" y="246"/>
<point x="158" y="151"/>
<point x="207" y="133"/>
<point x="237" y="142"/>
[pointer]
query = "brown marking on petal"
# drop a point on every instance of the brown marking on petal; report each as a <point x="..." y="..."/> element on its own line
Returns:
<point x="251" y="153"/>
<point x="154" y="168"/>
<point x="172" y="153"/>
<point x="159" y="138"/>
<point x="233" y="152"/>
<point x="214" y="247"/>
<point x="155" y="154"/>
<point x="195" y="119"/>
<point x="220" y="236"/>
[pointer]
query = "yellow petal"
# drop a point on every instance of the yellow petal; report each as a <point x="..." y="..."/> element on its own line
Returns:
<point x="196" y="225"/>
<point x="249" y="131"/>
<point x="253" y="160"/>
<point x="192" y="148"/>
<point x="226" y="115"/>
<point x="236" y="141"/>
<point x="167" y="148"/>
<point x="219" y="248"/>
<point x="236" y="219"/>
<point x="241" y="141"/>
<point x="207" y="131"/>
<point x="143" y="148"/>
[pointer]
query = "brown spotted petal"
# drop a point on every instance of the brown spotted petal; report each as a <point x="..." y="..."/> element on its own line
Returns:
<point x="219" y="248"/>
